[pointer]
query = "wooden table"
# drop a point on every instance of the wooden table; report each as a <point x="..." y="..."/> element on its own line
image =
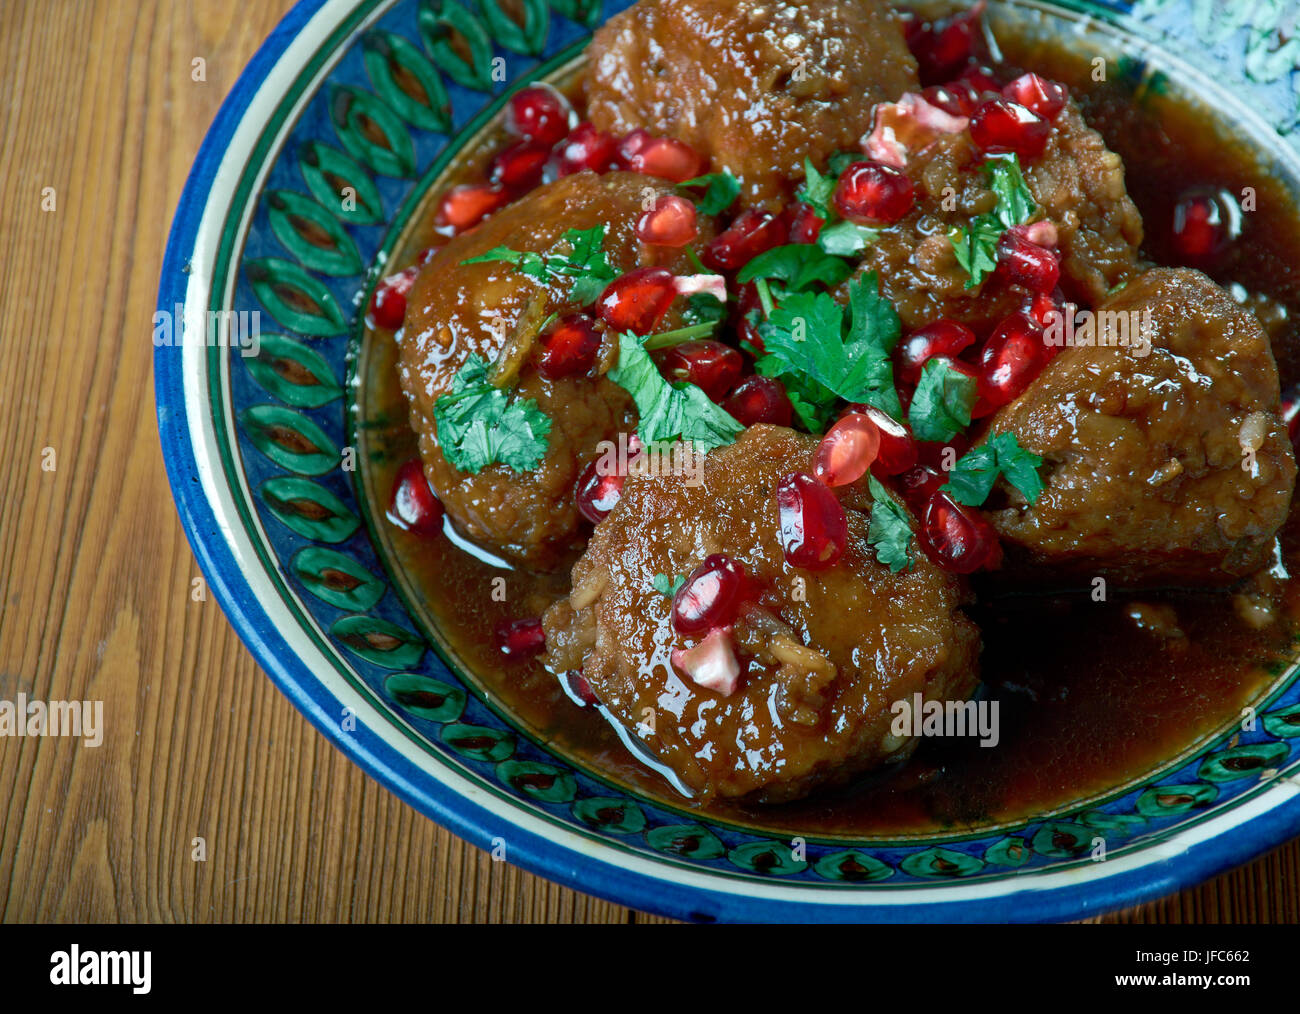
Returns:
<point x="95" y="573"/>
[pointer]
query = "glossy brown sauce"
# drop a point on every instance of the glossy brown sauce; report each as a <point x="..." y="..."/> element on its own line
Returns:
<point x="1088" y="702"/>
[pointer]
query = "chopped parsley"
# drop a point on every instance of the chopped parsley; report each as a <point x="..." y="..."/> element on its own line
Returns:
<point x="973" y="476"/>
<point x="480" y="424"/>
<point x="942" y="403"/>
<point x="976" y="244"/>
<point x="798" y="265"/>
<point x="890" y="530"/>
<point x="665" y="585"/>
<point x="809" y="349"/>
<point x="837" y="237"/>
<point x="720" y="191"/>
<point x="585" y="262"/>
<point x="817" y="190"/>
<point x="669" y="411"/>
<point x="844" y="239"/>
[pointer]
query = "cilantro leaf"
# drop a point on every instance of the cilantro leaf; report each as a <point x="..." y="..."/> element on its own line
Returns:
<point x="844" y="239"/>
<point x="817" y="190"/>
<point x="972" y="478"/>
<point x="805" y="339"/>
<point x="665" y="585"/>
<point x="841" y="160"/>
<point x="799" y="265"/>
<point x="976" y="245"/>
<point x="890" y="530"/>
<point x="585" y="262"/>
<point x="942" y="403"/>
<point x="668" y="411"/>
<point x="480" y="425"/>
<point x="721" y="191"/>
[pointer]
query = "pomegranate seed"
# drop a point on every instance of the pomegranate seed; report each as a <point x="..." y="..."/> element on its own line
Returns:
<point x="957" y="98"/>
<point x="1290" y="412"/>
<point x="813" y="528"/>
<point x="585" y="148"/>
<point x="760" y="400"/>
<point x="388" y="304"/>
<point x="805" y="225"/>
<point x="597" y="493"/>
<point x="958" y="539"/>
<point x="942" y="338"/>
<point x="919" y="483"/>
<point x="871" y="193"/>
<point x="671" y="222"/>
<point x="711" y="663"/>
<point x="709" y="365"/>
<point x="1040" y="96"/>
<point x="413" y="507"/>
<point x="940" y="455"/>
<point x="463" y="207"/>
<point x="519" y="167"/>
<point x="749" y="311"/>
<point x="638" y="300"/>
<point x="1205" y="222"/>
<point x="897" y="451"/>
<point x="1043" y="308"/>
<point x="540" y="113"/>
<point x="521" y="638"/>
<point x="753" y="233"/>
<point x="576" y="687"/>
<point x="847" y="450"/>
<point x="711" y="596"/>
<point x="1010" y="359"/>
<point x="942" y="47"/>
<point x="664" y="157"/>
<point x="1000" y="126"/>
<point x="1026" y="263"/>
<point x="570" y="348"/>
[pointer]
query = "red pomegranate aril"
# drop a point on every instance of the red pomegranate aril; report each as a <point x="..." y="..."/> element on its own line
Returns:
<point x="805" y="225"/>
<point x="1037" y="94"/>
<point x="463" y="207"/>
<point x="413" y="507"/>
<point x="519" y="168"/>
<point x="749" y="313"/>
<point x="942" y="338"/>
<point x="956" y="98"/>
<point x="980" y="79"/>
<point x="871" y="193"/>
<point x="760" y="400"/>
<point x="388" y="304"/>
<point x="1206" y="221"/>
<point x="597" y="493"/>
<point x="711" y="595"/>
<point x="671" y="222"/>
<point x="711" y="366"/>
<point x="939" y="455"/>
<point x="813" y="528"/>
<point x="847" y="451"/>
<point x="1290" y="412"/>
<point x="957" y="538"/>
<point x="753" y="233"/>
<point x="540" y="113"/>
<point x="521" y="638"/>
<point x="570" y="348"/>
<point x="1025" y="263"/>
<point x="1000" y="126"/>
<point x="943" y="46"/>
<point x="585" y="148"/>
<point x="1011" y="358"/>
<point x="576" y="687"/>
<point x="897" y="452"/>
<point x="919" y="483"/>
<point x="664" y="157"/>
<point x="638" y="300"/>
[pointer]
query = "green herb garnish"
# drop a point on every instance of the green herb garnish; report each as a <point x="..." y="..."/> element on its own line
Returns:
<point x="890" y="530"/>
<point x="973" y="476"/>
<point x="720" y="191"/>
<point x="666" y="586"/>
<point x="585" y="262"/>
<point x="480" y="425"/>
<point x="798" y="265"/>
<point x="942" y="403"/>
<point x="976" y="244"/>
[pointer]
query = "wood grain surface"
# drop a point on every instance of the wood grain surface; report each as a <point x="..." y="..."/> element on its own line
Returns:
<point x="96" y="576"/>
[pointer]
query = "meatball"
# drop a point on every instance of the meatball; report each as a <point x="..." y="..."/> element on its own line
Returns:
<point x="823" y="654"/>
<point x="459" y="309"/>
<point x="1078" y="183"/>
<point x="1163" y="468"/>
<point x="752" y="85"/>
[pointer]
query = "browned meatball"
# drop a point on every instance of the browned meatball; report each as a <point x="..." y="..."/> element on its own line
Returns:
<point x="459" y="309"/>
<point x="1079" y="185"/>
<point x="752" y="85"/>
<point x="823" y="654"/>
<point x="1148" y="475"/>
